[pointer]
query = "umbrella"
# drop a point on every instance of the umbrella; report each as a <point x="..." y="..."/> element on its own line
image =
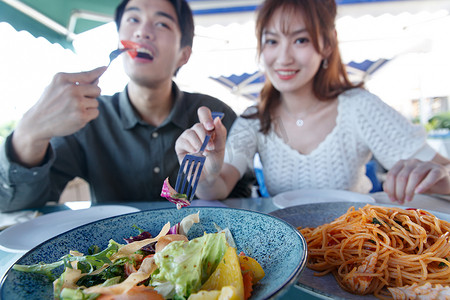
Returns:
<point x="59" y="21"/>
<point x="359" y="71"/>
<point x="247" y="85"/>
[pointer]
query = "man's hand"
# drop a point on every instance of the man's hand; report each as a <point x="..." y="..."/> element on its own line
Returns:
<point x="66" y="106"/>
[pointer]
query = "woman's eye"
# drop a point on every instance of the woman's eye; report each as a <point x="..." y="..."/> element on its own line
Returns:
<point x="270" y="42"/>
<point x="301" y="40"/>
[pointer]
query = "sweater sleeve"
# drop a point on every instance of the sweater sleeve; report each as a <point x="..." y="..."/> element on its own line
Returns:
<point x="242" y="144"/>
<point x="23" y="187"/>
<point x="389" y="135"/>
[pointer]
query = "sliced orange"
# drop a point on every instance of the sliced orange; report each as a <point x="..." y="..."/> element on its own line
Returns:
<point x="227" y="273"/>
<point x="227" y="293"/>
<point x="250" y="264"/>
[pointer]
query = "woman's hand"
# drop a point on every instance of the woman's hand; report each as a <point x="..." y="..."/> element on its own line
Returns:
<point x="66" y="106"/>
<point x="410" y="177"/>
<point x="192" y="139"/>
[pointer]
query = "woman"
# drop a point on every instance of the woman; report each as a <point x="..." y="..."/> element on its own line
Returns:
<point x="312" y="127"/>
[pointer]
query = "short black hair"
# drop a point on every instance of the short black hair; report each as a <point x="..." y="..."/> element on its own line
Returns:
<point x="184" y="15"/>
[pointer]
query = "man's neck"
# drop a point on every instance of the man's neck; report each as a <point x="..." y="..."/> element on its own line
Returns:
<point x="152" y="104"/>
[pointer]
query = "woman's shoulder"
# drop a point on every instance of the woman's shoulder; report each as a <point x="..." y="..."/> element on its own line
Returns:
<point x="248" y="118"/>
<point x="249" y="115"/>
<point x="358" y="94"/>
<point x="361" y="99"/>
<point x="250" y="111"/>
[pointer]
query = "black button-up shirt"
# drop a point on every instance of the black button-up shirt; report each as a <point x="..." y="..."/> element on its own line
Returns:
<point x="121" y="157"/>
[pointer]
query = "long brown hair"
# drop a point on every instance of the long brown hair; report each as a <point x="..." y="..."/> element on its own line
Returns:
<point x="319" y="16"/>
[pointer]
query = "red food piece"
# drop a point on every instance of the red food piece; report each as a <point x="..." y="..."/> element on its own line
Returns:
<point x="173" y="196"/>
<point x="132" y="46"/>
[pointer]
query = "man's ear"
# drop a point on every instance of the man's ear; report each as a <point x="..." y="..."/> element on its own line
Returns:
<point x="185" y="55"/>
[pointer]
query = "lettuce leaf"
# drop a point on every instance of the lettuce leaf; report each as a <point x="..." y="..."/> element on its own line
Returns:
<point x="87" y="263"/>
<point x="184" y="266"/>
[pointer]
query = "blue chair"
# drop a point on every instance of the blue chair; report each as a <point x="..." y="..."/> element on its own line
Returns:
<point x="371" y="172"/>
<point x="261" y="186"/>
<point x="262" y="190"/>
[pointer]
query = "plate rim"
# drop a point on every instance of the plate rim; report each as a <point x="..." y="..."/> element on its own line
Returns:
<point x="69" y="212"/>
<point x="292" y="278"/>
<point x="283" y="195"/>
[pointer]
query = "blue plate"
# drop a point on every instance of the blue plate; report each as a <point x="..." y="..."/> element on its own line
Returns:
<point x="313" y="215"/>
<point x="276" y="245"/>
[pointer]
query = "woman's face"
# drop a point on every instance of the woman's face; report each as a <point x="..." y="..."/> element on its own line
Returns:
<point x="288" y="55"/>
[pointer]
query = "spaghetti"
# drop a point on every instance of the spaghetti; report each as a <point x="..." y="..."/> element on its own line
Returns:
<point x="374" y="248"/>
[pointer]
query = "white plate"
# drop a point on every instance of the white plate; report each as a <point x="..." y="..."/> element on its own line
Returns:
<point x="307" y="196"/>
<point x="25" y="236"/>
<point x="429" y="202"/>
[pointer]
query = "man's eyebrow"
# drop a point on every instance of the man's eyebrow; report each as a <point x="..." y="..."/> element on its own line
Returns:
<point x="163" y="14"/>
<point x="159" y="13"/>
<point x="132" y="8"/>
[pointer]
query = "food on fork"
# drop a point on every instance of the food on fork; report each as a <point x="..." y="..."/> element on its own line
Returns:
<point x="137" y="50"/>
<point x="375" y="248"/>
<point x="173" y="196"/>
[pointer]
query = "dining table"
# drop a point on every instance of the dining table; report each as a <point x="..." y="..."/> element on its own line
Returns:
<point x="258" y="204"/>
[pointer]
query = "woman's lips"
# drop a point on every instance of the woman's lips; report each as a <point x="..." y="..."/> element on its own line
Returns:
<point x="286" y="74"/>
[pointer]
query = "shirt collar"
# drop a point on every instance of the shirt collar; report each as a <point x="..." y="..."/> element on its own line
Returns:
<point x="178" y="115"/>
<point x="127" y="114"/>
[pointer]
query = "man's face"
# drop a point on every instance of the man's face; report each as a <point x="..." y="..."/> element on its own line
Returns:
<point x="153" y="24"/>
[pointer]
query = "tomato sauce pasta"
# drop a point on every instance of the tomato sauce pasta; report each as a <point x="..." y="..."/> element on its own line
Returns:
<point x="374" y="248"/>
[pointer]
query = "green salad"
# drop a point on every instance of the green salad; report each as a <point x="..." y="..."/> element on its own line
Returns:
<point x="168" y="266"/>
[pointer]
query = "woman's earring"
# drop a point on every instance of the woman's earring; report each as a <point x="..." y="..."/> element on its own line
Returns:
<point x="325" y="63"/>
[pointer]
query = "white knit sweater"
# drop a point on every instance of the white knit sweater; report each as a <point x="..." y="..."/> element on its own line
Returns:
<point x="365" y="125"/>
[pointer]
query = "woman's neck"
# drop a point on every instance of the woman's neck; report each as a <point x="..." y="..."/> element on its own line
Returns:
<point x="299" y="101"/>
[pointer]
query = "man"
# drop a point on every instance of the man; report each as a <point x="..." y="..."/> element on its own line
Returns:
<point x="122" y="145"/>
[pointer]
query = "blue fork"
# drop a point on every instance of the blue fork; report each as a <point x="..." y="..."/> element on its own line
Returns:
<point x="115" y="53"/>
<point x="191" y="167"/>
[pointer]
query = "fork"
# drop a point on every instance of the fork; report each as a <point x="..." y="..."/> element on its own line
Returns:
<point x="115" y="53"/>
<point x="193" y="163"/>
<point x="112" y="56"/>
